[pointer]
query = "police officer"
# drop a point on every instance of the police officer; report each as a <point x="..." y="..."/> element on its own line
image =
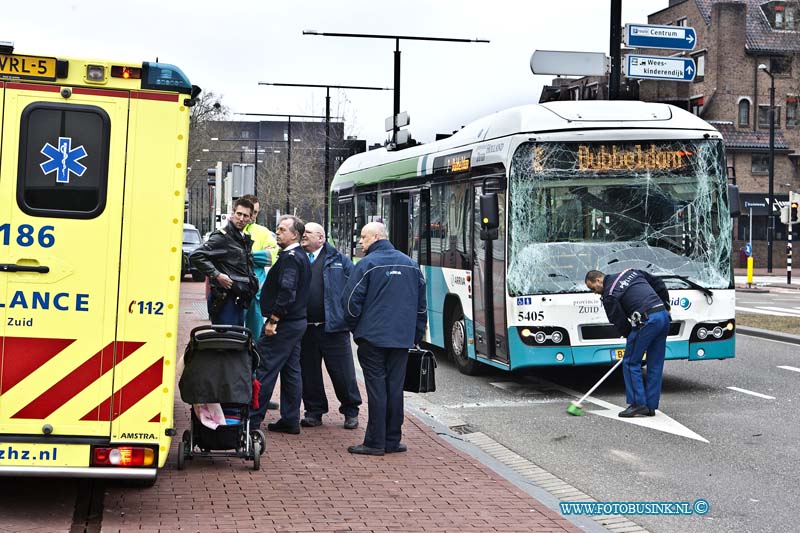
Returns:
<point x="385" y="306"/>
<point x="327" y="336"/>
<point x="225" y="258"/>
<point x="284" y="297"/>
<point x="638" y="306"/>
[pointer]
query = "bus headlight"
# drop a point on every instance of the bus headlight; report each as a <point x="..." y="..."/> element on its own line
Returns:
<point x="702" y="333"/>
<point x="540" y="337"/>
<point x="556" y="337"/>
<point x="717" y="332"/>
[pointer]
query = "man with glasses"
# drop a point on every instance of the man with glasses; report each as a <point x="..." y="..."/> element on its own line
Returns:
<point x="225" y="258"/>
<point x="327" y="336"/>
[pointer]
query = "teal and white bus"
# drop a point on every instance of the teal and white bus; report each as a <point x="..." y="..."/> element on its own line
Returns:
<point x="507" y="215"/>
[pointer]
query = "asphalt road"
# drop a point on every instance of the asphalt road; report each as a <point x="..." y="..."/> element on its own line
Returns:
<point x="778" y="302"/>
<point x="747" y="469"/>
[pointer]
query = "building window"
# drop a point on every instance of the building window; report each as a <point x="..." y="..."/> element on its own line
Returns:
<point x="245" y="134"/>
<point x="681" y="22"/>
<point x="791" y="111"/>
<point x="763" y="116"/>
<point x="759" y="164"/>
<point x="781" y="15"/>
<point x="780" y="66"/>
<point x="744" y="113"/>
<point x="699" y="66"/>
<point x="696" y="105"/>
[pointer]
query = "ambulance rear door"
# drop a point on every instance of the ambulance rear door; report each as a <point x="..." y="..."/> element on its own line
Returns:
<point x="62" y="172"/>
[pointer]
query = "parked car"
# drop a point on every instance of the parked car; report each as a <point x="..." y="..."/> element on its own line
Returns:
<point x="191" y="241"/>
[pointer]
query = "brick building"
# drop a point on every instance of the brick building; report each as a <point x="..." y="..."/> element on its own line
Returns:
<point x="287" y="171"/>
<point x="734" y="37"/>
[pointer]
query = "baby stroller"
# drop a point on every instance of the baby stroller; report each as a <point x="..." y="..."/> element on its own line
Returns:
<point x="219" y="364"/>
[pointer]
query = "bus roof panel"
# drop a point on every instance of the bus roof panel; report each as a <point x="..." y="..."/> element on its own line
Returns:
<point x="538" y="118"/>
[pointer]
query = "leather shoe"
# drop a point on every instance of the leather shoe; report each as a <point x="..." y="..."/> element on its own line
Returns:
<point x="360" y="449"/>
<point x="311" y="422"/>
<point x="400" y="449"/>
<point x="350" y="422"/>
<point x="273" y="406"/>
<point x="651" y="412"/>
<point x="634" y="410"/>
<point x="283" y="427"/>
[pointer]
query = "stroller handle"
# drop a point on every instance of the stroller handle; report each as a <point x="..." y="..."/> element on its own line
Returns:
<point x="222" y="328"/>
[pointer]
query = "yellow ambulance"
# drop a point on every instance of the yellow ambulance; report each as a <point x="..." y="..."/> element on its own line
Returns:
<point x="92" y="177"/>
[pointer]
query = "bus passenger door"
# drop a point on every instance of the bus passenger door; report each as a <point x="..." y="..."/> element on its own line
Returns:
<point x="400" y="222"/>
<point x="497" y="282"/>
<point x="62" y="170"/>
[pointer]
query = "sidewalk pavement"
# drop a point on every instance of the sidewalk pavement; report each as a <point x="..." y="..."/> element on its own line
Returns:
<point x="310" y="483"/>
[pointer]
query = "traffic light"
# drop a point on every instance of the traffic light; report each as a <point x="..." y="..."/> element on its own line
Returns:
<point x="793" y="215"/>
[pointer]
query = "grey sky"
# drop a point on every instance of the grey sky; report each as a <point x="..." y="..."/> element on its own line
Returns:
<point x="229" y="47"/>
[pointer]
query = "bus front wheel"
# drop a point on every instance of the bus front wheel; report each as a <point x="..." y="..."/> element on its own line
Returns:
<point x="456" y="339"/>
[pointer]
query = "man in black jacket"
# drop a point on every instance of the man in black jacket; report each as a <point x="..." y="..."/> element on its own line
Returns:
<point x="284" y="298"/>
<point x="225" y="258"/>
<point x="638" y="306"/>
<point x="327" y="337"/>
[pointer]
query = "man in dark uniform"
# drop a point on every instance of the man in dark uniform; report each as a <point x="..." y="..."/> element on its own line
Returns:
<point x="638" y="306"/>
<point x="385" y="305"/>
<point x="284" y="297"/>
<point x="225" y="258"/>
<point x="327" y="336"/>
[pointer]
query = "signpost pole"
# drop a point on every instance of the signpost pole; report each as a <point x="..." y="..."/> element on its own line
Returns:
<point x="750" y="255"/>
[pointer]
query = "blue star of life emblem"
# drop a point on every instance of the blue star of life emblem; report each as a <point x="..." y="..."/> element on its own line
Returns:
<point x="63" y="159"/>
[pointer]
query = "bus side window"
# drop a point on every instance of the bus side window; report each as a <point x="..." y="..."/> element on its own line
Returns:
<point x="456" y="237"/>
<point x="437" y="235"/>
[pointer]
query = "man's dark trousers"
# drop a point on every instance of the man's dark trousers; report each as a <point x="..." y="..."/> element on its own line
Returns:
<point x="650" y="338"/>
<point x="280" y="354"/>
<point x="229" y="312"/>
<point x="334" y="349"/>
<point x="384" y="376"/>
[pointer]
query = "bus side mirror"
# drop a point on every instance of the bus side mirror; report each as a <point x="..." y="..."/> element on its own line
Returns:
<point x="733" y="200"/>
<point x="490" y="216"/>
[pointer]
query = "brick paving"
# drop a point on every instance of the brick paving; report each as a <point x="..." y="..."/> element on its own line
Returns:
<point x="309" y="483"/>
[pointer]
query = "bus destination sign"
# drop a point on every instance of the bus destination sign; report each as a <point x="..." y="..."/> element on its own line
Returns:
<point x="452" y="163"/>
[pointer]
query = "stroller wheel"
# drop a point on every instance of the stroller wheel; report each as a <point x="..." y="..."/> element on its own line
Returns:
<point x="258" y="436"/>
<point x="181" y="455"/>
<point x="187" y="440"/>
<point x="256" y="455"/>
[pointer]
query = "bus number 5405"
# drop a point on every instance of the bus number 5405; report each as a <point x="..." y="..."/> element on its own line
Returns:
<point x="530" y="316"/>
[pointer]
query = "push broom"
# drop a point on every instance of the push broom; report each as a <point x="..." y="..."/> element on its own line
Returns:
<point x="575" y="408"/>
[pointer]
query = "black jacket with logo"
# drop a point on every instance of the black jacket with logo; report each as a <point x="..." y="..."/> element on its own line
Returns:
<point x="629" y="291"/>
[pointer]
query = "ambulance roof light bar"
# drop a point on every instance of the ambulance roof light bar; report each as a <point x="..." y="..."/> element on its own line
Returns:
<point x="6" y="47"/>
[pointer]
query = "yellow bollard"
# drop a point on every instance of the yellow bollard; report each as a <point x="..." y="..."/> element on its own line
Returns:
<point x="750" y="271"/>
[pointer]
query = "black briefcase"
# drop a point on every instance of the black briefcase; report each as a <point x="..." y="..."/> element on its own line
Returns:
<point x="420" y="371"/>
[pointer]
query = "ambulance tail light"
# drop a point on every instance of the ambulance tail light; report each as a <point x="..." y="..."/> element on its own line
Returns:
<point x="127" y="456"/>
<point x="126" y="73"/>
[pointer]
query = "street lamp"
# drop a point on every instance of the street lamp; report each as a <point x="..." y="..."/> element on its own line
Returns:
<point x="397" y="39"/>
<point x="327" y="129"/>
<point x="771" y="211"/>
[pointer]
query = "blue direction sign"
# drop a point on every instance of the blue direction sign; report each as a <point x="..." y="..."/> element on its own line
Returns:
<point x="651" y="36"/>
<point x="659" y="67"/>
<point x="748" y="249"/>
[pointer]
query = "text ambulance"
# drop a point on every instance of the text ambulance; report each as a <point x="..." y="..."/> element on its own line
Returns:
<point x="92" y="176"/>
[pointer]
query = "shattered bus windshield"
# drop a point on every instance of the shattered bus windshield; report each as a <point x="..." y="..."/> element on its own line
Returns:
<point x="659" y="206"/>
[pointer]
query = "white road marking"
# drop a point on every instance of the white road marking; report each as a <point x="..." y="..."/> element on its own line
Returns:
<point x="660" y="422"/>
<point x="792" y="368"/>
<point x="792" y="312"/>
<point x="758" y="394"/>
<point x="762" y="312"/>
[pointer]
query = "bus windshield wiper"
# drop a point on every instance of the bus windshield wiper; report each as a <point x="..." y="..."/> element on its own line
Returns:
<point x="705" y="290"/>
